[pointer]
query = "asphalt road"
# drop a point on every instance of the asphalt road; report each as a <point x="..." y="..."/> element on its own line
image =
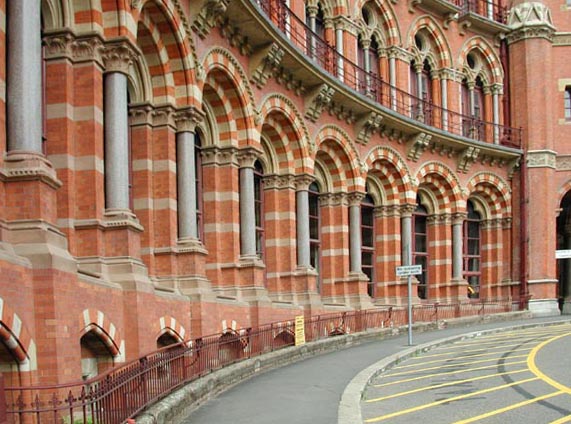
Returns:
<point x="513" y="377"/>
<point x="310" y="391"/>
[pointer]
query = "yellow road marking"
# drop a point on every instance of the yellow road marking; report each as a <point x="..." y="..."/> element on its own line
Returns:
<point x="479" y="355"/>
<point x="566" y="419"/>
<point x="452" y="399"/>
<point x="438" y="386"/>
<point x="509" y="408"/>
<point x="450" y="366"/>
<point x="534" y="369"/>
<point x="457" y="346"/>
<point x="453" y="351"/>
<point x="487" y="367"/>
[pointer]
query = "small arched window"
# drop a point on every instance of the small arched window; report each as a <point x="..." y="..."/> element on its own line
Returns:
<point x="368" y="242"/>
<point x="420" y="246"/>
<point x="472" y="252"/>
<point x="314" y="230"/>
<point x="567" y="103"/>
<point x="259" y="207"/>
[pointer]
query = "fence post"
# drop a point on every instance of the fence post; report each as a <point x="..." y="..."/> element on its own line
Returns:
<point x="3" y="415"/>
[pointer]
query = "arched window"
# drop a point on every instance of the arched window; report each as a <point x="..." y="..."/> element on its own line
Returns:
<point x="420" y="246"/>
<point x="473" y="108"/>
<point x="421" y="90"/>
<point x="368" y="242"/>
<point x="314" y="230"/>
<point x="259" y="207"/>
<point x="471" y="256"/>
<point x="198" y="182"/>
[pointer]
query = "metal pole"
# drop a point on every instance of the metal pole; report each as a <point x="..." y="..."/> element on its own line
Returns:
<point x="409" y="282"/>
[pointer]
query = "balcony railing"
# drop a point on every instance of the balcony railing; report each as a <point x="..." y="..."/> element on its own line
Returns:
<point x="487" y="9"/>
<point x="122" y="392"/>
<point x="374" y="87"/>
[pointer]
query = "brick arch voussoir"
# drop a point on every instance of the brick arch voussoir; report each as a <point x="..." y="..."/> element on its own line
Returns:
<point x="97" y="321"/>
<point x="279" y="135"/>
<point x="222" y="107"/>
<point x="404" y="180"/>
<point x="17" y="338"/>
<point x="448" y="180"/>
<point x="299" y="132"/>
<point x="443" y="55"/>
<point x="354" y="169"/>
<point x="494" y="189"/>
<point x="565" y="188"/>
<point x="169" y="325"/>
<point x="242" y="94"/>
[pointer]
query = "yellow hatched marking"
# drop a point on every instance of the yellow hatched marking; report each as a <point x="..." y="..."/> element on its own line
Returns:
<point x="452" y="399"/>
<point x="509" y="408"/>
<point x="487" y="367"/>
<point x="566" y="419"/>
<point x="449" y="366"/>
<point x="457" y="346"/>
<point x="479" y="355"/>
<point x="438" y="386"/>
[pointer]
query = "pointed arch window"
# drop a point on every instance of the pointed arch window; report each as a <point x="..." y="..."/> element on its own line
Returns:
<point x="421" y="89"/>
<point x="368" y="242"/>
<point x="259" y="207"/>
<point x="314" y="230"/>
<point x="420" y="246"/>
<point x="472" y="251"/>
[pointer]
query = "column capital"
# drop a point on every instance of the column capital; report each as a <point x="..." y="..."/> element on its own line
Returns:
<point x="279" y="182"/>
<point x="386" y="211"/>
<point x="530" y="20"/>
<point x="303" y="181"/>
<point x="497" y="88"/>
<point x="407" y="210"/>
<point x="399" y="53"/>
<point x="219" y="156"/>
<point x="333" y="199"/>
<point x="118" y="55"/>
<point x="458" y="218"/>
<point x="247" y="157"/>
<point x="355" y="198"/>
<point x="186" y="119"/>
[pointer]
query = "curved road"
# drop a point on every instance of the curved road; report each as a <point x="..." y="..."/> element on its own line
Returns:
<point x="310" y="391"/>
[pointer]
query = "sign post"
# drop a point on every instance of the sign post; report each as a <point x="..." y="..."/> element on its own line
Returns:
<point x="409" y="271"/>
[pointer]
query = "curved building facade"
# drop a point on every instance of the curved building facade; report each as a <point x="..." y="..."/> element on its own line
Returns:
<point x="177" y="168"/>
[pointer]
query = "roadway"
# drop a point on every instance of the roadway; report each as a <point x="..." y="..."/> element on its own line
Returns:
<point x="474" y="377"/>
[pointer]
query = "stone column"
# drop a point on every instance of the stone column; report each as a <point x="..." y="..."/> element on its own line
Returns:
<point x="496" y="91"/>
<point x="246" y="159"/>
<point x="354" y="200"/>
<point x="312" y="13"/>
<point x="302" y="183"/>
<point x="444" y="95"/>
<point x="457" y="246"/>
<point x="393" y="80"/>
<point x="117" y="58"/>
<point x="367" y="63"/>
<point x="24" y="77"/>
<point x="406" y="234"/>
<point x="420" y="110"/>
<point x="339" y="27"/>
<point x="186" y="121"/>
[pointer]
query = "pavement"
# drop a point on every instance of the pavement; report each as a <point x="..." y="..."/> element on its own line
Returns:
<point x="326" y="389"/>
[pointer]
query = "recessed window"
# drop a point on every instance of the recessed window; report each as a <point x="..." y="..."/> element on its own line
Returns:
<point x="471" y="61"/>
<point x="366" y="16"/>
<point x="568" y="103"/>
<point x="418" y="42"/>
<point x="368" y="242"/>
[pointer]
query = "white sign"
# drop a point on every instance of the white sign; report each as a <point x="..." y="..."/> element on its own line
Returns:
<point x="563" y="254"/>
<point x="403" y="271"/>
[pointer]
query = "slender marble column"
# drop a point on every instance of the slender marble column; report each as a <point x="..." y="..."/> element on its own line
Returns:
<point x="496" y="105"/>
<point x="339" y="49"/>
<point x="186" y="185"/>
<point x="302" y="227"/>
<point x="355" y="236"/>
<point x="457" y="248"/>
<point x="406" y="235"/>
<point x="247" y="216"/>
<point x="444" y="91"/>
<point x="24" y="76"/>
<point x="393" y="81"/>
<point x="116" y="142"/>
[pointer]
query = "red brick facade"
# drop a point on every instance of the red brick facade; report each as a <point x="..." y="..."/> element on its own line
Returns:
<point x="88" y="286"/>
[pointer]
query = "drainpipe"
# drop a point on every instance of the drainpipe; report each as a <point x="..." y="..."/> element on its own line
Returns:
<point x="524" y="237"/>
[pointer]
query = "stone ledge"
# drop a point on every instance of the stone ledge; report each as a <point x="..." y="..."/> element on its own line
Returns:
<point x="179" y="404"/>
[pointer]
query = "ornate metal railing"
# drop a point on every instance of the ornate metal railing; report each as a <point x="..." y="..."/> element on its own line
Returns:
<point x="374" y="87"/>
<point x="122" y="392"/>
<point x="486" y="8"/>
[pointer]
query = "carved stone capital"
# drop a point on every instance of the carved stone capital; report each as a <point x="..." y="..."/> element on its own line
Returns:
<point x="399" y="53"/>
<point x="188" y="118"/>
<point x="355" y="198"/>
<point x="118" y="56"/>
<point x="66" y="45"/>
<point x="317" y="100"/>
<point x="458" y="218"/>
<point x="219" y="156"/>
<point x="530" y="20"/>
<point x="333" y="199"/>
<point x="541" y="159"/>
<point x="141" y="114"/>
<point x="163" y="116"/>
<point x="247" y="157"/>
<point x="407" y="210"/>
<point x="303" y="181"/>
<point x="279" y="182"/>
<point x="388" y="211"/>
